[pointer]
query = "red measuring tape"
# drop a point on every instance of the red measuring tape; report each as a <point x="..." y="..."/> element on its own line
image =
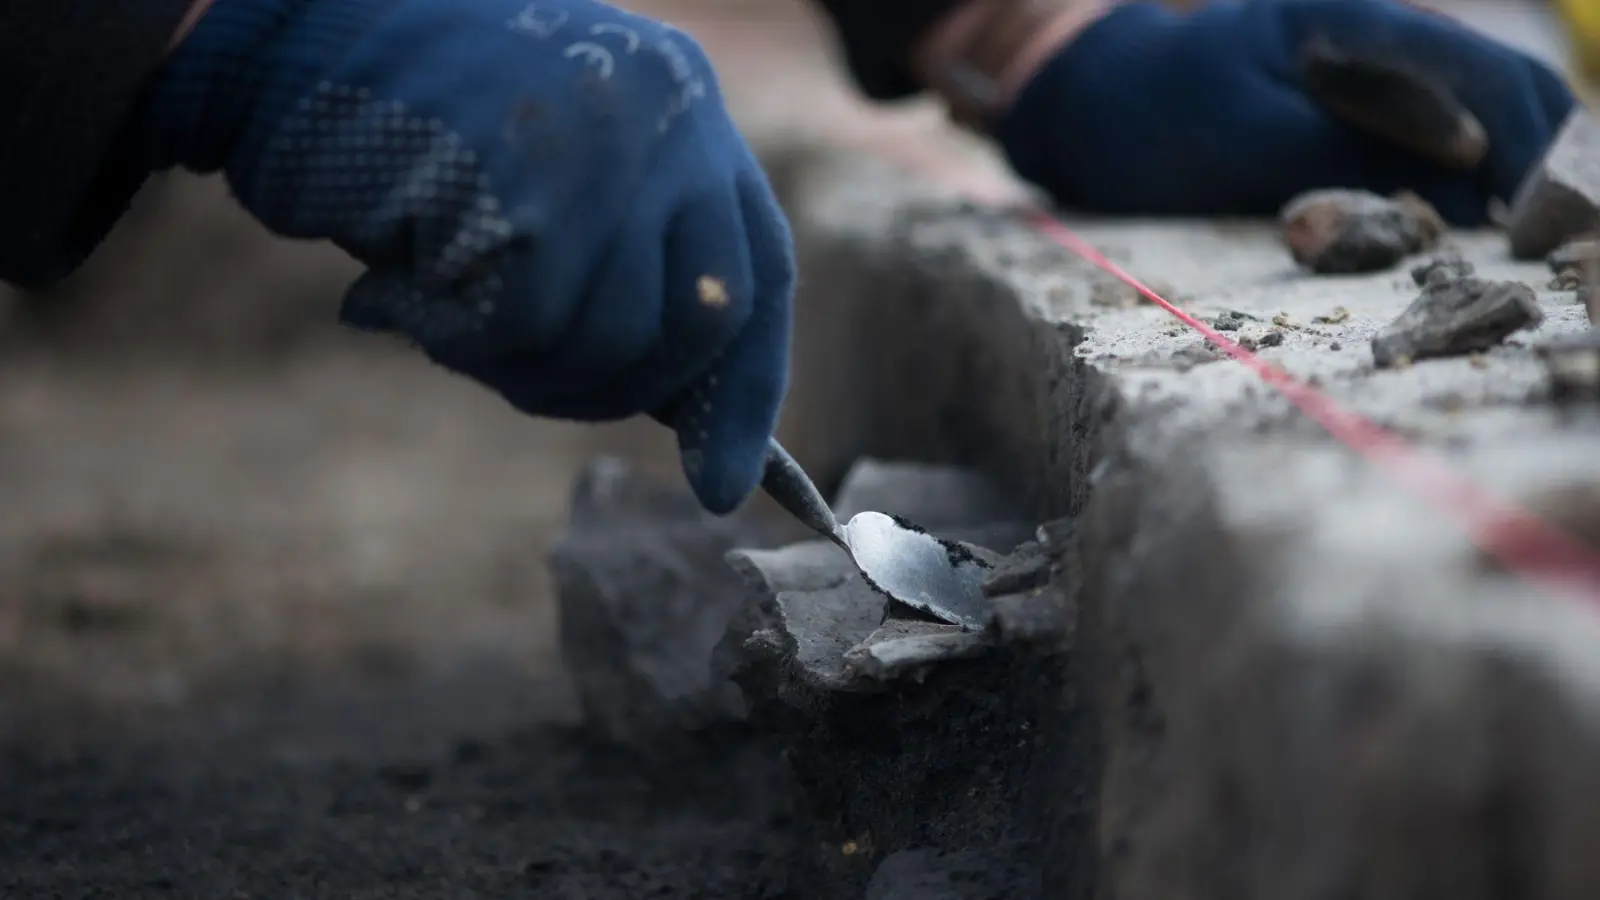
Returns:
<point x="1521" y="541"/>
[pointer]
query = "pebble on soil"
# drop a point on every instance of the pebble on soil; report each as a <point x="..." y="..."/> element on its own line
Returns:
<point x="1343" y="232"/>
<point x="1456" y="313"/>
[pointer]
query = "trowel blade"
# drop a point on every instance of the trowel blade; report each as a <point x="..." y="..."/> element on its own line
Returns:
<point x="938" y="577"/>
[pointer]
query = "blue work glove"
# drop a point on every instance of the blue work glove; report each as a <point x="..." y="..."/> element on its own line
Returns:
<point x="549" y="196"/>
<point x="1157" y="112"/>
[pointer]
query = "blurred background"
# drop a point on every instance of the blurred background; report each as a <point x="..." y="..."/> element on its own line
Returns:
<point x="209" y="486"/>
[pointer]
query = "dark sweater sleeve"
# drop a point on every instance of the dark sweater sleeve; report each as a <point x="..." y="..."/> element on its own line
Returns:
<point x="71" y="71"/>
<point x="876" y="36"/>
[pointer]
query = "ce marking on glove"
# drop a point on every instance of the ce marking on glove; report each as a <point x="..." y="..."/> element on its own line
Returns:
<point x="628" y="34"/>
<point x="598" y="56"/>
<point x="538" y="21"/>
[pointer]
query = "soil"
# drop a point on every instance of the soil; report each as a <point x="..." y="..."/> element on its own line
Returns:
<point x="535" y="811"/>
<point x="275" y="621"/>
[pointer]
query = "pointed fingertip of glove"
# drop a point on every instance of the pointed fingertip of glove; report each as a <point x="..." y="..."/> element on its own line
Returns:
<point x="724" y="476"/>
<point x="723" y="445"/>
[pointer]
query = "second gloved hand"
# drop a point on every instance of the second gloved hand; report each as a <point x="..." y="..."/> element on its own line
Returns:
<point x="550" y="198"/>
<point x="1150" y="111"/>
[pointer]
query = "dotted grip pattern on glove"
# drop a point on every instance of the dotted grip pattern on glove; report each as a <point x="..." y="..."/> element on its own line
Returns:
<point x="541" y="192"/>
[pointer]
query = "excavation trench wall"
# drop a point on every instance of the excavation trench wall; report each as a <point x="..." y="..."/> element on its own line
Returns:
<point x="1303" y="682"/>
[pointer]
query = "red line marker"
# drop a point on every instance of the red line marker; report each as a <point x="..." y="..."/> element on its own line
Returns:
<point x="1521" y="541"/>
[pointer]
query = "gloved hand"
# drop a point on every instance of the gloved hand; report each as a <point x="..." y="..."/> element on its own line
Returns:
<point x="1150" y="111"/>
<point x="549" y="195"/>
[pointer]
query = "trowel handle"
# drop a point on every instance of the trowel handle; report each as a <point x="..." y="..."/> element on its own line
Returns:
<point x="788" y="484"/>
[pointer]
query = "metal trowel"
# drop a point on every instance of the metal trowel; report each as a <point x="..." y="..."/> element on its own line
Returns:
<point x="939" y="577"/>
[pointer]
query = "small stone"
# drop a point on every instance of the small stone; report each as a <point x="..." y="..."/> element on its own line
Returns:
<point x="1339" y="314"/>
<point x="1456" y="317"/>
<point x="1272" y="338"/>
<point x="1025" y="569"/>
<point x="1232" y="320"/>
<point x="1338" y="231"/>
<point x="1440" y="269"/>
<point x="903" y="647"/>
<point x="1335" y="346"/>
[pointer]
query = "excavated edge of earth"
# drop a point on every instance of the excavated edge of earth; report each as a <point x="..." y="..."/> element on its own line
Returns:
<point x="1306" y="681"/>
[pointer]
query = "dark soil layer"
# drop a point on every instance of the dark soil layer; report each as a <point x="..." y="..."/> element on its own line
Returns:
<point x="541" y="813"/>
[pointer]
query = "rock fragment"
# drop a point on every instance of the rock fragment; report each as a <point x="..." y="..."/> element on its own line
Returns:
<point x="1033" y="588"/>
<point x="1025" y="569"/>
<point x="829" y="630"/>
<point x="1457" y="316"/>
<point x="817" y="609"/>
<point x="1337" y="231"/>
<point x="1271" y="338"/>
<point x="644" y="597"/>
<point x="1040" y="617"/>
<point x="1560" y="198"/>
<point x="903" y="647"/>
<point x="1440" y="269"/>
<point x="1232" y="320"/>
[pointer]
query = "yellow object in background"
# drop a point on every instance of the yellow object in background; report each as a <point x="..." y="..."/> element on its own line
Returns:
<point x="1583" y="29"/>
